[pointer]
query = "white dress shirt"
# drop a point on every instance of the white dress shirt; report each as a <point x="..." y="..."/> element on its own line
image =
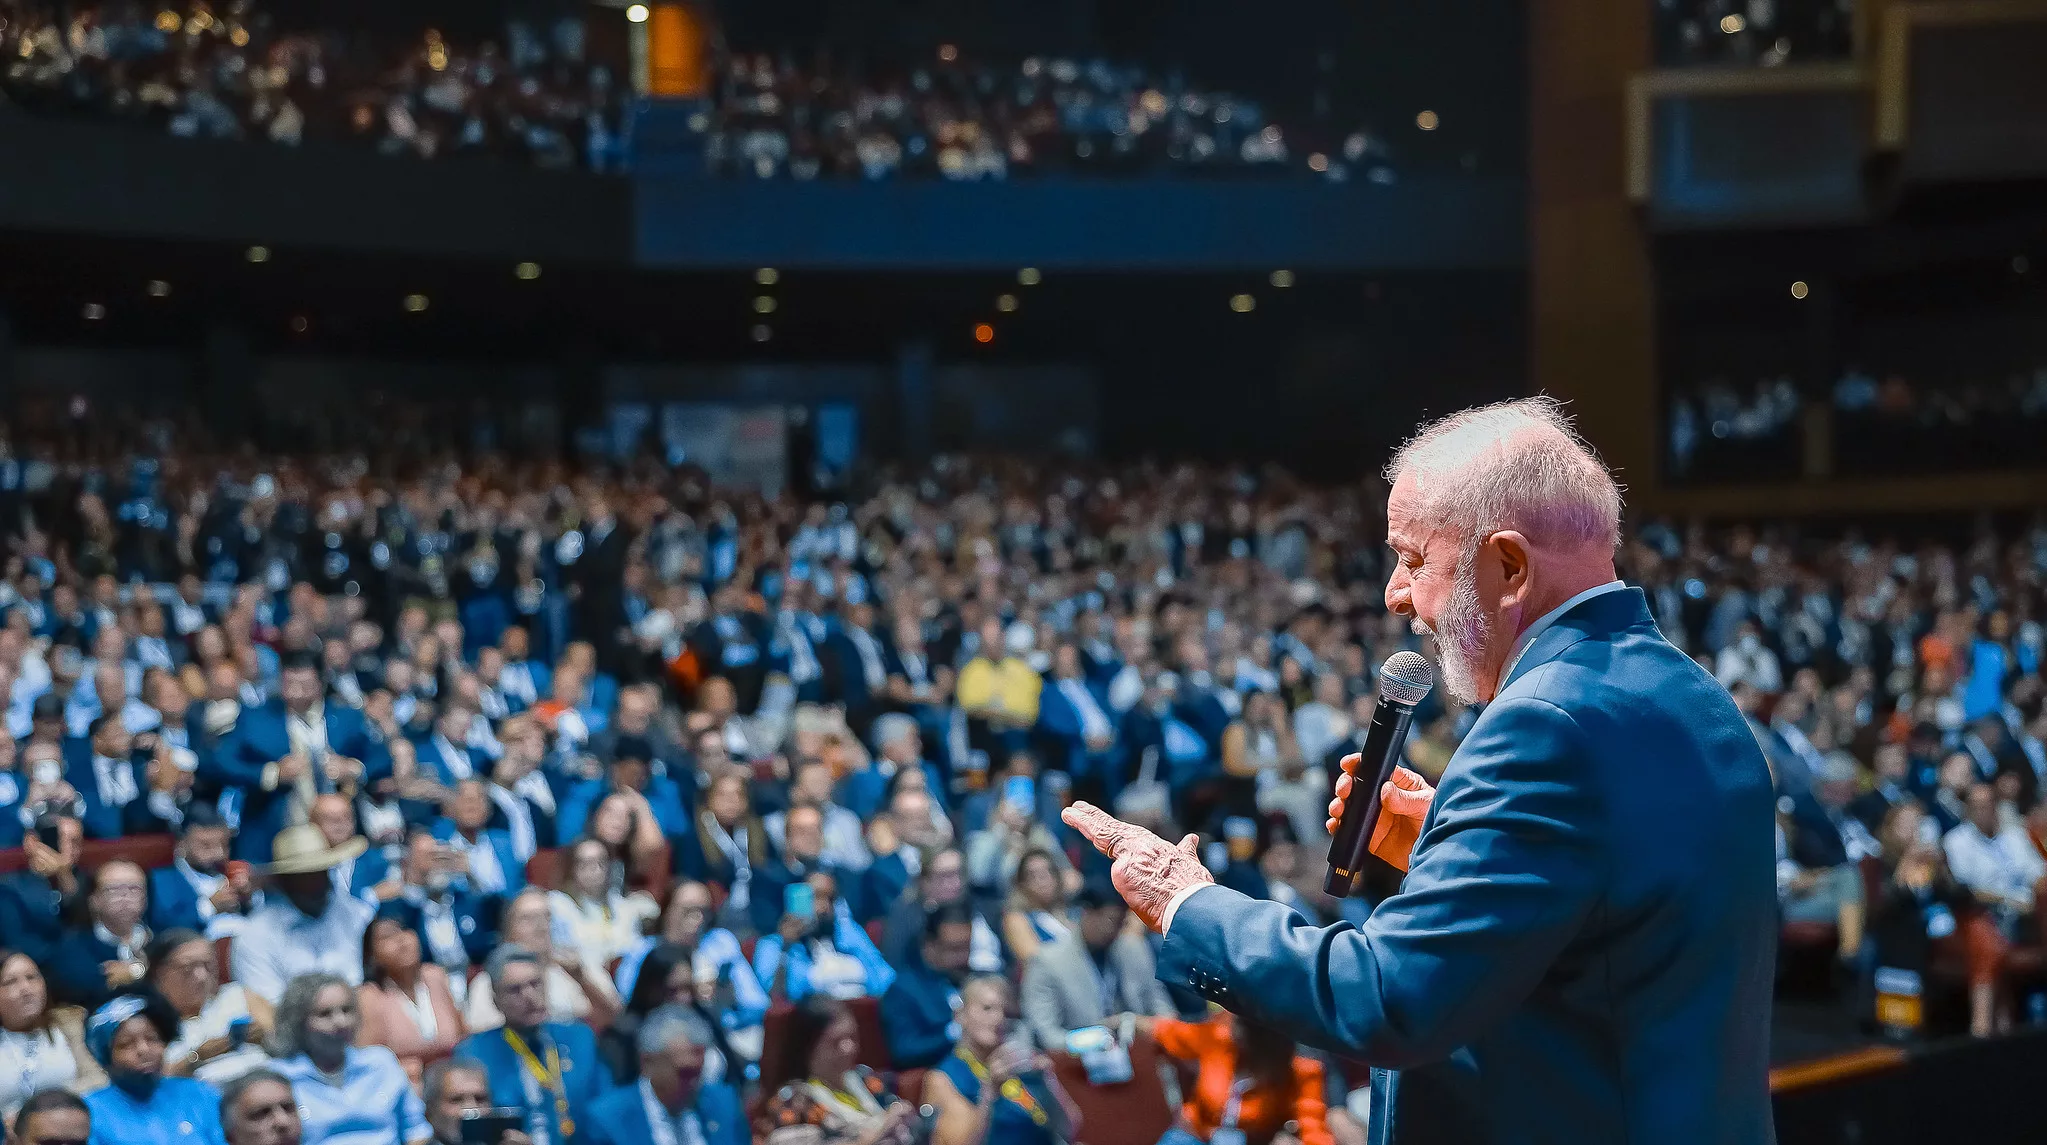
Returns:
<point x="279" y="944"/>
<point x="2006" y="866"/>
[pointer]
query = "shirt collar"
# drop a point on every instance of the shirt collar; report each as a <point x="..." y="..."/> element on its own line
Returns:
<point x="1528" y="634"/>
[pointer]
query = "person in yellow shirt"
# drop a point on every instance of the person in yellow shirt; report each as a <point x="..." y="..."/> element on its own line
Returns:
<point x="999" y="686"/>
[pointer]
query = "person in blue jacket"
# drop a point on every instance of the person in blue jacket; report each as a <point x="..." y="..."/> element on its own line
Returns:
<point x="917" y="1012"/>
<point x="549" y="1071"/>
<point x="682" y="1097"/>
<point x="290" y="751"/>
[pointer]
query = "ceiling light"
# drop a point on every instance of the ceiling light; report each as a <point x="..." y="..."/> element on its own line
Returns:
<point x="1029" y="276"/>
<point x="93" y="312"/>
<point x="414" y="303"/>
<point x="1005" y="303"/>
<point x="1281" y="278"/>
<point x="158" y="288"/>
<point x="257" y="254"/>
<point x="527" y="271"/>
<point x="984" y="333"/>
<point x="637" y="13"/>
<point x="1243" y="303"/>
<point x="764" y="305"/>
<point x="1427" y="121"/>
<point x="1800" y="289"/>
<point x="763" y="332"/>
<point x="767" y="276"/>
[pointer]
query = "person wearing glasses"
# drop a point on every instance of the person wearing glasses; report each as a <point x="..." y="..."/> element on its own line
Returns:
<point x="89" y="965"/>
<point x="221" y="1026"/>
<point x="53" y="1117"/>
<point x="549" y="1071"/>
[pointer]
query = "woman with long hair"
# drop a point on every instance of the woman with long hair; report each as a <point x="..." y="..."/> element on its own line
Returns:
<point x="819" y="1094"/>
<point x="221" y="1026"/>
<point x="598" y="918"/>
<point x="1248" y="1077"/>
<point x="667" y="977"/>
<point x="40" y="1045"/>
<point x="406" y="1003"/>
<point x="626" y="826"/>
<point x="990" y="1090"/>
<point x="344" y="1090"/>
<point x="727" y="988"/>
<point x="1038" y="909"/>
<point x="576" y="991"/>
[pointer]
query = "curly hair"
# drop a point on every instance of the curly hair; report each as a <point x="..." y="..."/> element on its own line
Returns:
<point x="287" y="1037"/>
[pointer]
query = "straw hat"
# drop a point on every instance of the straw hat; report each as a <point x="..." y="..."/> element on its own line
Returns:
<point x="302" y="850"/>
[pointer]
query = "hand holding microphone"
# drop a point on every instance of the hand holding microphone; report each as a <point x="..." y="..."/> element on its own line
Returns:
<point x="1357" y="828"/>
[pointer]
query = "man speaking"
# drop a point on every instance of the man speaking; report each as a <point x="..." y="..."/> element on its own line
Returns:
<point x="1583" y="946"/>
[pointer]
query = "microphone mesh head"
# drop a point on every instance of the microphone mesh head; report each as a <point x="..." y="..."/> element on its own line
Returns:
<point x="1405" y="678"/>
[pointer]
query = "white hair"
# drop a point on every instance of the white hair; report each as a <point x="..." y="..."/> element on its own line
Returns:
<point x="1513" y="465"/>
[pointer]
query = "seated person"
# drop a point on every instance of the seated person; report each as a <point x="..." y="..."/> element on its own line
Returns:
<point x="34" y="902"/>
<point x="629" y="770"/>
<point x="495" y="867"/>
<point x="196" y="889"/>
<point x="727" y="846"/>
<point x="1096" y="971"/>
<point x="821" y="1094"/>
<point x="824" y="950"/>
<point x="127" y="1036"/>
<point x="1817" y="876"/>
<point x="736" y="999"/>
<point x="108" y="953"/>
<point x="41" y="1046"/>
<point x="598" y="918"/>
<point x="432" y="896"/>
<point x="990" y="1090"/>
<point x="941" y="882"/>
<point x="51" y="1115"/>
<point x="576" y="991"/>
<point x="682" y="1081"/>
<point x="344" y="1091"/>
<point x="917" y="1012"/>
<point x="454" y="1091"/>
<point x="802" y="856"/>
<point x="1249" y="1078"/>
<point x="566" y="1052"/>
<point x="221" y="1026"/>
<point x="259" y="1108"/>
<point x="405" y="1003"/>
<point x="844" y="844"/>
<point x="1997" y="863"/>
<point x="1038" y="911"/>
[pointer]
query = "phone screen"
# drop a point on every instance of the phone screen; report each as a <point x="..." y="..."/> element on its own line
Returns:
<point x="489" y="1128"/>
<point x="798" y="899"/>
<point x="1021" y="792"/>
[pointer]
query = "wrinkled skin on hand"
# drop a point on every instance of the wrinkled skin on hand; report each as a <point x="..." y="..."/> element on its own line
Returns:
<point x="1148" y="871"/>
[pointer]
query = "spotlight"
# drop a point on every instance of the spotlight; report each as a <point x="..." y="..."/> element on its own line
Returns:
<point x="766" y="276"/>
<point x="1243" y="303"/>
<point x="637" y="13"/>
<point x="1029" y="276"/>
<point x="1427" y="121"/>
<point x="1800" y="289"/>
<point x="1281" y="278"/>
<point x="764" y="305"/>
<point x="1006" y="303"/>
<point x="158" y="288"/>
<point x="527" y="271"/>
<point x="763" y="332"/>
<point x="414" y="303"/>
<point x="984" y="333"/>
<point x="257" y="254"/>
<point x="93" y="312"/>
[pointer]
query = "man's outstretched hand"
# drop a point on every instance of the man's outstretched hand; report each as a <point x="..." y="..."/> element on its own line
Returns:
<point x="1403" y="806"/>
<point x="1149" y="872"/>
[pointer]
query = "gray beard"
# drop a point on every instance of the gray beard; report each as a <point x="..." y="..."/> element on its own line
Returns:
<point x="1461" y="633"/>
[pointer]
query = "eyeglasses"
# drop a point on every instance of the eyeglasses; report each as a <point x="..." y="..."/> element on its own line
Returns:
<point x="119" y="891"/>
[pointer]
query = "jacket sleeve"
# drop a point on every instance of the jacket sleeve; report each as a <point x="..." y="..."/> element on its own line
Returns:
<point x="1504" y="877"/>
<point x="1037" y="1000"/>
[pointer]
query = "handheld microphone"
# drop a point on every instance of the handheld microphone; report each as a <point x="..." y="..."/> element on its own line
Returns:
<point x="1404" y="680"/>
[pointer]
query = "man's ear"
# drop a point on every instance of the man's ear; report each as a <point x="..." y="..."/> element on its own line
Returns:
<point x="1509" y="552"/>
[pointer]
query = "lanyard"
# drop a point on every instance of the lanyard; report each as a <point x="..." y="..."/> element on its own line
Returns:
<point x="663" y="1126"/>
<point x="548" y="1076"/>
<point x="1012" y="1089"/>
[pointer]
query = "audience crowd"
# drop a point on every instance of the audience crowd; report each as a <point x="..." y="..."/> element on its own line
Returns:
<point x="967" y="120"/>
<point x="1880" y="425"/>
<point x="229" y="70"/>
<point x="513" y="803"/>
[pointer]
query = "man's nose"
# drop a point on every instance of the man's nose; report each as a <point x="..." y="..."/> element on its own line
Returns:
<point x="1399" y="594"/>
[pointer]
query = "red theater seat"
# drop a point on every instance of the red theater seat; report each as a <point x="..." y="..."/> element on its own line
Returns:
<point x="1133" y="1113"/>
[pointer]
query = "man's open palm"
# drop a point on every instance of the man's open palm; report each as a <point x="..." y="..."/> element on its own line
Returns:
<point x="1148" y="871"/>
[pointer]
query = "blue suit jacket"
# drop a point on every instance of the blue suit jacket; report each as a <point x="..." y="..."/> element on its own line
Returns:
<point x="620" y="1118"/>
<point x="583" y="1073"/>
<point x="1060" y="730"/>
<point x="259" y="739"/>
<point x="173" y="902"/>
<point x="1586" y="936"/>
<point x="499" y="841"/>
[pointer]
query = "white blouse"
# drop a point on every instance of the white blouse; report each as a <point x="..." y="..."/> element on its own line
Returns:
<point x="30" y="1062"/>
<point x="603" y="931"/>
<point x="227" y="1006"/>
